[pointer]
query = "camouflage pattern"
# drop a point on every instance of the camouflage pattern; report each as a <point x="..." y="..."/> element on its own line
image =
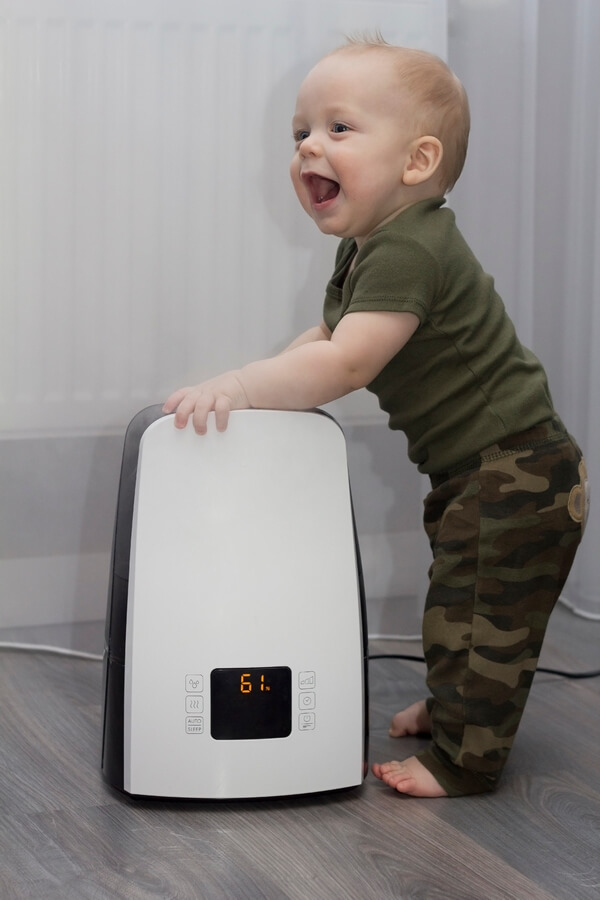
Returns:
<point x="503" y="530"/>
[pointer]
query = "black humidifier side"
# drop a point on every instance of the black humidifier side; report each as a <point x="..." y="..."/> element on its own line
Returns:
<point x="116" y="614"/>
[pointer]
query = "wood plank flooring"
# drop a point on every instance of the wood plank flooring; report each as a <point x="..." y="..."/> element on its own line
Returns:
<point x="65" y="834"/>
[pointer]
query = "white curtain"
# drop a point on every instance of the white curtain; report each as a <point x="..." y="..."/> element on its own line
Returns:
<point x="529" y="201"/>
<point x="149" y="235"/>
<point x="98" y="295"/>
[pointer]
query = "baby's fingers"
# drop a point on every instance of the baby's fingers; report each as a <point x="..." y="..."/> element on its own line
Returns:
<point x="202" y="405"/>
<point x="222" y="410"/>
<point x="220" y="394"/>
<point x="189" y="402"/>
<point x="172" y="402"/>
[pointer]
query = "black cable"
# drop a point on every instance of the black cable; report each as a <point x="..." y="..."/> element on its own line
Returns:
<point x="594" y="674"/>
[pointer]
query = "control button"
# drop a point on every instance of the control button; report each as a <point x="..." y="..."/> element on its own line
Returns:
<point x="194" y="725"/>
<point x="306" y="700"/>
<point x="194" y="703"/>
<point x="194" y="683"/>
<point x="306" y="721"/>
<point x="306" y="681"/>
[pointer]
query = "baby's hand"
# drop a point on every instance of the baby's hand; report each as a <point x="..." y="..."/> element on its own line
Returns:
<point x="221" y="395"/>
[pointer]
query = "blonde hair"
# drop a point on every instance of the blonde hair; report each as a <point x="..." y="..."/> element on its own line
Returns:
<point x="440" y="100"/>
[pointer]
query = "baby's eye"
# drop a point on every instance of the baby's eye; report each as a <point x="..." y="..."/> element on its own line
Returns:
<point x="339" y="128"/>
<point x="301" y="135"/>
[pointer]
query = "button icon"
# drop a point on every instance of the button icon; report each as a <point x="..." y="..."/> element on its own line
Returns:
<point x="194" y="703"/>
<point x="306" y="721"/>
<point x="194" y="725"/>
<point x="306" y="681"/>
<point x="307" y="700"/>
<point x="194" y="683"/>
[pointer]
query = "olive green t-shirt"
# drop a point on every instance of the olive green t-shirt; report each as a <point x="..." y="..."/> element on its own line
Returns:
<point x="463" y="381"/>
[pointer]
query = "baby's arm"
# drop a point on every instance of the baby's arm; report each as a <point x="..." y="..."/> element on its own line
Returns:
<point x="317" y="333"/>
<point x="311" y="372"/>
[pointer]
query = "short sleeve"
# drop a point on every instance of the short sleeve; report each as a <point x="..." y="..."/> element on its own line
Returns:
<point x="394" y="273"/>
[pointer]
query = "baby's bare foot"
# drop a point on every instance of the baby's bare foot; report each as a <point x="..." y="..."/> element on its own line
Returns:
<point x="413" y="720"/>
<point x="409" y="777"/>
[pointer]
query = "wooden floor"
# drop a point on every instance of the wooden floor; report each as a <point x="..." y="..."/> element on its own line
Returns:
<point x="64" y="834"/>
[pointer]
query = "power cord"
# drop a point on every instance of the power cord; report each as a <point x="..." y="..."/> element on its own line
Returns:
<point x="46" y="648"/>
<point x="593" y="674"/>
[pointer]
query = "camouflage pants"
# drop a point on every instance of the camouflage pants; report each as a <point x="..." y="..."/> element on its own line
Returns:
<point x="504" y="529"/>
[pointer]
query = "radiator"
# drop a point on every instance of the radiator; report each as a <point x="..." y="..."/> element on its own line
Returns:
<point x="149" y="233"/>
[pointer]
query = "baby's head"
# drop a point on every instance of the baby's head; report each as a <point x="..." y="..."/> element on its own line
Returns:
<point x="377" y="128"/>
<point x="437" y="99"/>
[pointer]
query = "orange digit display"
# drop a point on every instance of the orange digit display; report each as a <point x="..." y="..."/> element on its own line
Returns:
<point x="251" y="704"/>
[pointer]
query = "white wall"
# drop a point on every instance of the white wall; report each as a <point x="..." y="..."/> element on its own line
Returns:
<point x="529" y="200"/>
<point x="149" y="234"/>
<point x="83" y="348"/>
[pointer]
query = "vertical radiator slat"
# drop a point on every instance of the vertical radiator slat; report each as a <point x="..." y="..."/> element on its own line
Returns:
<point x="149" y="233"/>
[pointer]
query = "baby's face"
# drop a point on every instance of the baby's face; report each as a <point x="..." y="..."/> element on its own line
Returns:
<point x="353" y="137"/>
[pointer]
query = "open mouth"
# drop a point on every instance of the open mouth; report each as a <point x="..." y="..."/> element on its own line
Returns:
<point x="321" y="189"/>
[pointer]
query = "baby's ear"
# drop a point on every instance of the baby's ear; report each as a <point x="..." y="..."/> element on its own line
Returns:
<point x="425" y="158"/>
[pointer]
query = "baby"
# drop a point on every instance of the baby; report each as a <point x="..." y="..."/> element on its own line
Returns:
<point x="380" y="137"/>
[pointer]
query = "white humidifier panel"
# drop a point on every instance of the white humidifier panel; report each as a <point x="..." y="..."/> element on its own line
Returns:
<point x="244" y="656"/>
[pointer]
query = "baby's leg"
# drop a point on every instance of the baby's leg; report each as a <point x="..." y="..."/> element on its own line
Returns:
<point x="504" y="538"/>
<point x="415" y="719"/>
<point x="410" y="776"/>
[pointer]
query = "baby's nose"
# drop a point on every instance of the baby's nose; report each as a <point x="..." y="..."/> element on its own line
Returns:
<point x="310" y="146"/>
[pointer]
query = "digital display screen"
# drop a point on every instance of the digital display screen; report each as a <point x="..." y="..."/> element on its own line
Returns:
<point x="250" y="704"/>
